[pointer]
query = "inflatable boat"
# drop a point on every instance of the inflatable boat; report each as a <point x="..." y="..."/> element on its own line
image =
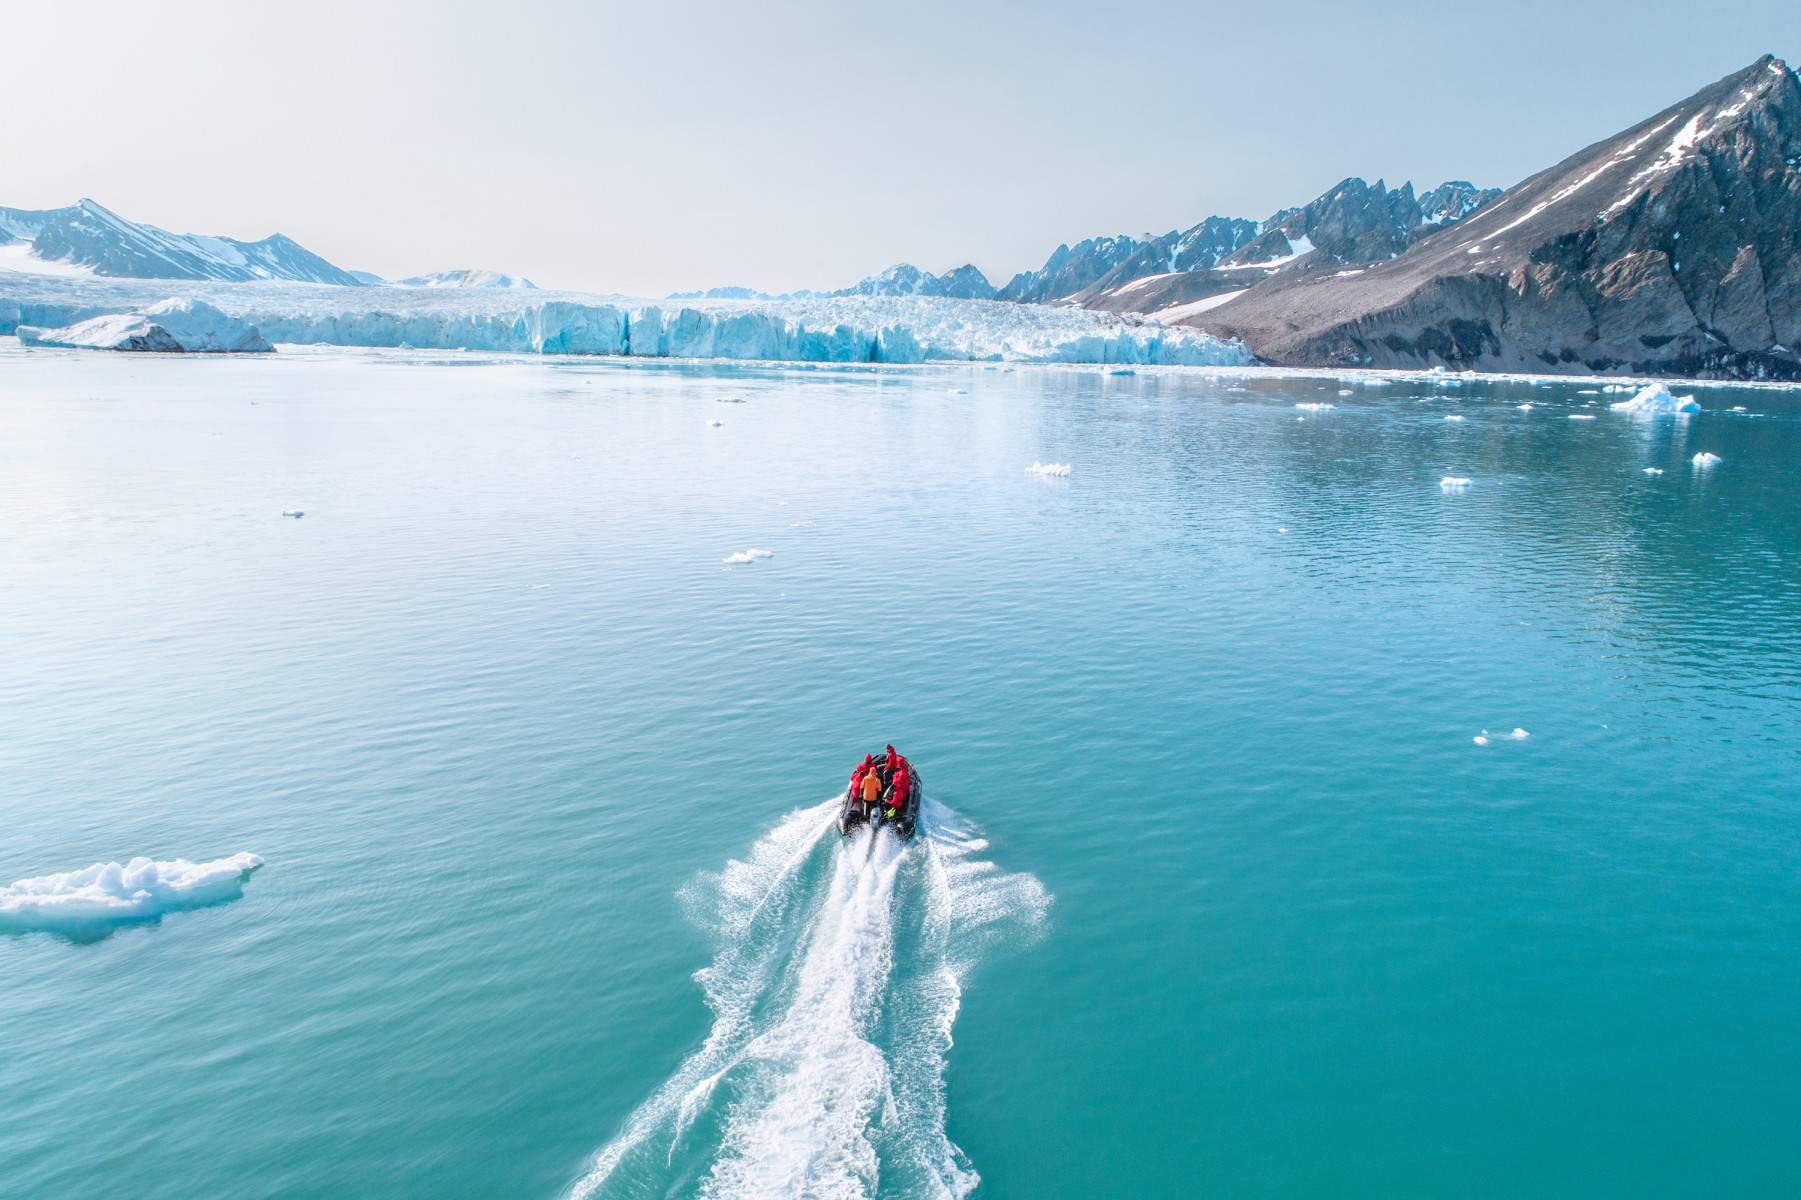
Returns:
<point x="852" y="812"/>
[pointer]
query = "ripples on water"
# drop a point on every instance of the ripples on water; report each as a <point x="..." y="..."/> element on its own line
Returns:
<point x="496" y="702"/>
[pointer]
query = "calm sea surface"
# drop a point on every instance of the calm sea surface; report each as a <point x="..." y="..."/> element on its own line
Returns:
<point x="1219" y="896"/>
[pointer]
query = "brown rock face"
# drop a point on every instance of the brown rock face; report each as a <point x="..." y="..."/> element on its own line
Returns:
<point x="1671" y="248"/>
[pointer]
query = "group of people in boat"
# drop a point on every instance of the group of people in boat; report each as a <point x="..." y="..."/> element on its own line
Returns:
<point x="881" y="786"/>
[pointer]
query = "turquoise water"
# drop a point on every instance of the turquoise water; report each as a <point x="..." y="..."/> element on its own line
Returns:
<point x="1218" y="895"/>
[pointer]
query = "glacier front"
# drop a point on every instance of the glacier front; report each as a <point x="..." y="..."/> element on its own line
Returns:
<point x="888" y="329"/>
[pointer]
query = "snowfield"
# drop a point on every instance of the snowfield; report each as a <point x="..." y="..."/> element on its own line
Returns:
<point x="890" y="329"/>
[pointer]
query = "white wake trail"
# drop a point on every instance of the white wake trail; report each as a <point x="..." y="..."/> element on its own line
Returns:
<point x="834" y="988"/>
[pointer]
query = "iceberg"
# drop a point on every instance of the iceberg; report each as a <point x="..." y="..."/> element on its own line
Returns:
<point x="174" y="326"/>
<point x="1039" y="468"/>
<point x="745" y="556"/>
<point x="860" y="329"/>
<point x="1704" y="459"/>
<point x="1656" y="401"/>
<point x="1453" y="483"/>
<point x="91" y="903"/>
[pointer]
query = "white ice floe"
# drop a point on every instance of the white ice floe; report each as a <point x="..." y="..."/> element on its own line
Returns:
<point x="1524" y="407"/>
<point x="1656" y="401"/>
<point x="1316" y="407"/>
<point x="1654" y="470"/>
<point x="1480" y="740"/>
<point x="1453" y="416"/>
<point x="293" y="512"/>
<point x="107" y="894"/>
<point x="173" y="326"/>
<point x="1705" y="459"/>
<point x="1453" y="483"/>
<point x="1519" y="735"/>
<point x="1582" y="416"/>
<point x="744" y="556"/>
<point x="1039" y="468"/>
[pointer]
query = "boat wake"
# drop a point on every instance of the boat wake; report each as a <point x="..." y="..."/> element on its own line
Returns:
<point x="836" y="981"/>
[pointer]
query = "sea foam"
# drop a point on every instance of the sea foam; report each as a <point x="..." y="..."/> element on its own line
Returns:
<point x="104" y="896"/>
<point x="835" y="984"/>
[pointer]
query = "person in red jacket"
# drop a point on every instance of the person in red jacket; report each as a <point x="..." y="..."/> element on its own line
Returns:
<point x="893" y="759"/>
<point x="897" y="799"/>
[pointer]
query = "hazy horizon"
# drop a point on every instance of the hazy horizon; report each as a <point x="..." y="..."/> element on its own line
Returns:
<point x="612" y="148"/>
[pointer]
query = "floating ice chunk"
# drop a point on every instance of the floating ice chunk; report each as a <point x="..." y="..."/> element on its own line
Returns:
<point x="91" y="903"/>
<point x="744" y="556"/>
<point x="1039" y="468"/>
<point x="293" y="512"/>
<point x="714" y="424"/>
<point x="1314" y="407"/>
<point x="958" y="391"/>
<point x="1656" y="401"/>
<point x="1705" y="459"/>
<point x="1481" y="739"/>
<point x="1123" y="371"/>
<point x="1617" y="387"/>
<point x="1453" y="416"/>
<point x="1453" y="483"/>
<point x="1738" y="408"/>
<point x="1654" y="470"/>
<point x="1524" y="407"/>
<point x="1582" y="416"/>
<point x="1344" y="391"/>
<point x="1519" y="735"/>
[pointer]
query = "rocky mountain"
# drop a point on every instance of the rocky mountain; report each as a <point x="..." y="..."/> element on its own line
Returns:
<point x="1673" y="247"/>
<point x="1100" y="263"/>
<point x="1353" y="218"/>
<point x="904" y="279"/>
<point x="90" y="237"/>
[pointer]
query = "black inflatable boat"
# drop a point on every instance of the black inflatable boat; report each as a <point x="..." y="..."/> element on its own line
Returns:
<point x="852" y="812"/>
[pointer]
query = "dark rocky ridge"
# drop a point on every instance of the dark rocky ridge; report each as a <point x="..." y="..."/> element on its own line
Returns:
<point x="1670" y="248"/>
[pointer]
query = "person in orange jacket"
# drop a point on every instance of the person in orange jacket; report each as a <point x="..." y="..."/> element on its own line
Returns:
<point x="872" y="789"/>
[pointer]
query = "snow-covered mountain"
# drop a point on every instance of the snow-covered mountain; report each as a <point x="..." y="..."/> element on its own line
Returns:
<point x="88" y="238"/>
<point x="472" y="279"/>
<point x="905" y="279"/>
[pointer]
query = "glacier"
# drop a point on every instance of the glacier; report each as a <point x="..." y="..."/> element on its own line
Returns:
<point x="174" y="326"/>
<point x="878" y="329"/>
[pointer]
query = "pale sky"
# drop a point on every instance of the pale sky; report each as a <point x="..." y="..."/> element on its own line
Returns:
<point x="649" y="147"/>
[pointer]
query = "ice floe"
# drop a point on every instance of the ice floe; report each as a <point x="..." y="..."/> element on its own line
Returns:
<point x="1656" y="401"/>
<point x="1706" y="459"/>
<point x="1039" y="468"/>
<point x="752" y="555"/>
<point x="1453" y="483"/>
<point x="93" y="901"/>
<point x="1317" y="407"/>
<point x="1582" y="416"/>
<point x="1654" y="470"/>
